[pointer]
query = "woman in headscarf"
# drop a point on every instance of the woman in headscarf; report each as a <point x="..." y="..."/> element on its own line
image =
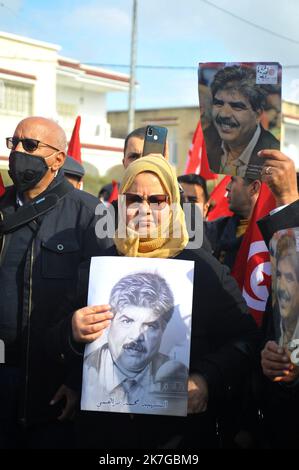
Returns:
<point x="152" y="224"/>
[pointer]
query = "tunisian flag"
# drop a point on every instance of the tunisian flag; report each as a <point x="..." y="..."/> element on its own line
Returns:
<point x="252" y="268"/>
<point x="2" y="187"/>
<point x="197" y="161"/>
<point x="74" y="149"/>
<point x="218" y="198"/>
<point x="114" y="193"/>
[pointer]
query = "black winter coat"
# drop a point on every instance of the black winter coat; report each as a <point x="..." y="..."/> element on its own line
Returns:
<point x="225" y="244"/>
<point x="223" y="344"/>
<point x="61" y="239"/>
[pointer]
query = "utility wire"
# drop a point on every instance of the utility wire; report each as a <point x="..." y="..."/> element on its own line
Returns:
<point x="261" y="28"/>
<point x="217" y="7"/>
<point x="124" y="66"/>
<point x="175" y="67"/>
<point x="163" y="67"/>
<point x="166" y="67"/>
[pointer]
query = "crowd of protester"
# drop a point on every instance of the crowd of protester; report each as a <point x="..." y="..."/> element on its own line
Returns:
<point x="242" y="386"/>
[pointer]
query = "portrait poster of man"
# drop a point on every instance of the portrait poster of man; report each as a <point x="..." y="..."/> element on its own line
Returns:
<point x="240" y="109"/>
<point x="284" y="251"/>
<point x="141" y="362"/>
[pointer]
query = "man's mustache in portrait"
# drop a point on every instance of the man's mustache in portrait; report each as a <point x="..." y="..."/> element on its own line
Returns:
<point x="135" y="346"/>
<point x="283" y="295"/>
<point x="224" y="121"/>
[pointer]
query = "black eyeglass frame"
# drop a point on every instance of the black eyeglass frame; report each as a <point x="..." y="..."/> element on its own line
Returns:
<point x="12" y="142"/>
<point x="149" y="199"/>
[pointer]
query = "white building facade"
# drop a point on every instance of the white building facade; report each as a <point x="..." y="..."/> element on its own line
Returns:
<point x="35" y="80"/>
<point x="290" y="131"/>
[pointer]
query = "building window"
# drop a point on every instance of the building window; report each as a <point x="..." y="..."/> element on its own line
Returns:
<point x="15" y="98"/>
<point x="66" y="110"/>
<point x="67" y="114"/>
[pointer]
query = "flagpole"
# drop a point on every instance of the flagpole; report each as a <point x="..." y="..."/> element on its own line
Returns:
<point x="131" y="111"/>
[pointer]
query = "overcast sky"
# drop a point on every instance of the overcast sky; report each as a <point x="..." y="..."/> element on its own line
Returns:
<point x="170" y="32"/>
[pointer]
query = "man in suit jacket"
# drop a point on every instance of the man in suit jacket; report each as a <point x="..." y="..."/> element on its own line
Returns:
<point x="236" y="136"/>
<point x="127" y="371"/>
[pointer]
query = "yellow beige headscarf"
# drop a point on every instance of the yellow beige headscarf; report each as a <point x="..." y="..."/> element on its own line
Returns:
<point x="128" y="242"/>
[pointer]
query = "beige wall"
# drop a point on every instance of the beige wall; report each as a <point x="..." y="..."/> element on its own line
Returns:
<point x="290" y="109"/>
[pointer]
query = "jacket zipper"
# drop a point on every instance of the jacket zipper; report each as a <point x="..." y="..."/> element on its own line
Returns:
<point x="24" y="419"/>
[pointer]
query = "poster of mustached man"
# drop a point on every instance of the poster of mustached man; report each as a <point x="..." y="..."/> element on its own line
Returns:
<point x="140" y="363"/>
<point x="240" y="109"/>
<point x="284" y="251"/>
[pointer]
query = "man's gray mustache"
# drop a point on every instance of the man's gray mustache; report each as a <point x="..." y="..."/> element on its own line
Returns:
<point x="135" y="346"/>
<point x="226" y="122"/>
<point x="282" y="295"/>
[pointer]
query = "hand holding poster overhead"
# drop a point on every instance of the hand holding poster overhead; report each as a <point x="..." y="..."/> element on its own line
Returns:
<point x="240" y="106"/>
<point x="140" y="363"/>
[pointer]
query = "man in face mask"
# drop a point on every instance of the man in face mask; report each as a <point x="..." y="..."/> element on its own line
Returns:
<point x="46" y="229"/>
<point x="37" y="153"/>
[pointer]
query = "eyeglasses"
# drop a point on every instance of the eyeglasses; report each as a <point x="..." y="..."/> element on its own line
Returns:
<point x="156" y="201"/>
<point x="29" y="145"/>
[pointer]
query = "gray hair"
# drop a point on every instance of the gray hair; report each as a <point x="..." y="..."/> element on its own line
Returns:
<point x="286" y="247"/>
<point x="143" y="289"/>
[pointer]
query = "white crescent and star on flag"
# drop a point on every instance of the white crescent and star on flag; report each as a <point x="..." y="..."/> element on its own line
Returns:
<point x="258" y="282"/>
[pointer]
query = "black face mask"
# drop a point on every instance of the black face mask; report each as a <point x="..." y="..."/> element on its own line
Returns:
<point x="26" y="170"/>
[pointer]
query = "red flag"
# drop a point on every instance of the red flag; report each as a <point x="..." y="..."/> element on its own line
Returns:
<point x="2" y="187"/>
<point x="218" y="198"/>
<point x="74" y="149"/>
<point x="197" y="161"/>
<point x="252" y="268"/>
<point x="114" y="193"/>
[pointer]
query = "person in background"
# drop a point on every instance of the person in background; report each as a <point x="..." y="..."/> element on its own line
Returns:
<point x="226" y="233"/>
<point x="133" y="147"/>
<point x="195" y="191"/>
<point x="105" y="193"/>
<point x="194" y="200"/>
<point x="74" y="172"/>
